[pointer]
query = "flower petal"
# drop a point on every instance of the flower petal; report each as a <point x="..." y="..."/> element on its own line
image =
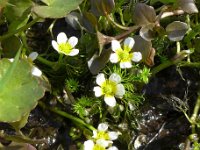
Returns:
<point x="110" y="101"/>
<point x="113" y="135"/>
<point x="33" y="55"/>
<point x="88" y="145"/>
<point x="73" y="52"/>
<point x="115" y="45"/>
<point x="120" y="91"/>
<point x="97" y="91"/>
<point x="61" y="38"/>
<point x="114" y="58"/>
<point x="129" y="42"/>
<point x="55" y="45"/>
<point x="36" y="72"/>
<point x="94" y="133"/>
<point x="103" y="143"/>
<point x="103" y="127"/>
<point x="73" y="41"/>
<point x="112" y="148"/>
<point x="100" y="79"/>
<point x="137" y="56"/>
<point x="115" y="78"/>
<point x="125" y="65"/>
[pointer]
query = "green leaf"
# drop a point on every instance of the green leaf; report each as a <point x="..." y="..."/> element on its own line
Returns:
<point x="56" y="8"/>
<point x="16" y="8"/>
<point x="19" y="89"/>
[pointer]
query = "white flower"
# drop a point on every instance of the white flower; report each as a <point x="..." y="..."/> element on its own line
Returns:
<point x="109" y="88"/>
<point x="102" y="139"/>
<point x="124" y="56"/>
<point x="103" y="133"/>
<point x="65" y="45"/>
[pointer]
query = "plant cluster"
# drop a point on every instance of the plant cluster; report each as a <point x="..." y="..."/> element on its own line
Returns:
<point x="95" y="71"/>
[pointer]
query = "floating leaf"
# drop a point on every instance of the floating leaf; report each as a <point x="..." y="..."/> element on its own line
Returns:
<point x="89" y="21"/>
<point x="147" y="33"/>
<point x="56" y="8"/>
<point x="102" y="7"/>
<point x="144" y="14"/>
<point x="176" y="30"/>
<point x="96" y="63"/>
<point x="188" y="6"/>
<point x="73" y="19"/>
<point x="19" y="89"/>
<point x="145" y="47"/>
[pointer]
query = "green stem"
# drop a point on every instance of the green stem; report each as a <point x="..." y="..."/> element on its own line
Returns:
<point x="190" y="64"/>
<point x="21" y="139"/>
<point x="195" y="113"/>
<point x="19" y="30"/>
<point x="66" y="115"/>
<point x="46" y="62"/>
<point x="162" y="66"/>
<point x="116" y="24"/>
<point x="178" y="47"/>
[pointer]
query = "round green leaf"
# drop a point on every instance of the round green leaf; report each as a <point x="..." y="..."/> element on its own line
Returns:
<point x="56" y="8"/>
<point x="19" y="90"/>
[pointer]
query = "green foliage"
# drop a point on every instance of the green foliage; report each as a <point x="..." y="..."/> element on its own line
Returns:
<point x="56" y="8"/>
<point x="72" y="85"/>
<point x="85" y="106"/>
<point x="16" y="85"/>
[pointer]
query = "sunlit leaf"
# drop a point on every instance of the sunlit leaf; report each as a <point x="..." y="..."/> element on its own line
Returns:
<point x="188" y="6"/>
<point x="56" y="8"/>
<point x="19" y="89"/>
<point x="176" y="30"/>
<point x="144" y="14"/>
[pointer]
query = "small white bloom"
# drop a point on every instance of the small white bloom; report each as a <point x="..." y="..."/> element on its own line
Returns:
<point x="124" y="56"/>
<point x="65" y="45"/>
<point x="36" y="72"/>
<point x="113" y="135"/>
<point x="88" y="145"/>
<point x="112" y="148"/>
<point x="110" y="88"/>
<point x="33" y="56"/>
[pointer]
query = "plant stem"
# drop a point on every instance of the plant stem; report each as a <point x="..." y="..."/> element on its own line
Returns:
<point x="116" y="24"/>
<point x="21" y="139"/>
<point x="19" y="30"/>
<point x="195" y="113"/>
<point x="66" y="115"/>
<point x="46" y="62"/>
<point x="178" y="47"/>
<point x="161" y="67"/>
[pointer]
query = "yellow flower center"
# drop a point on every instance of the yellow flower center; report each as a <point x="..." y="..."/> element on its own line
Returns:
<point x="98" y="147"/>
<point x="124" y="55"/>
<point x="109" y="88"/>
<point x="65" y="48"/>
<point x="102" y="135"/>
